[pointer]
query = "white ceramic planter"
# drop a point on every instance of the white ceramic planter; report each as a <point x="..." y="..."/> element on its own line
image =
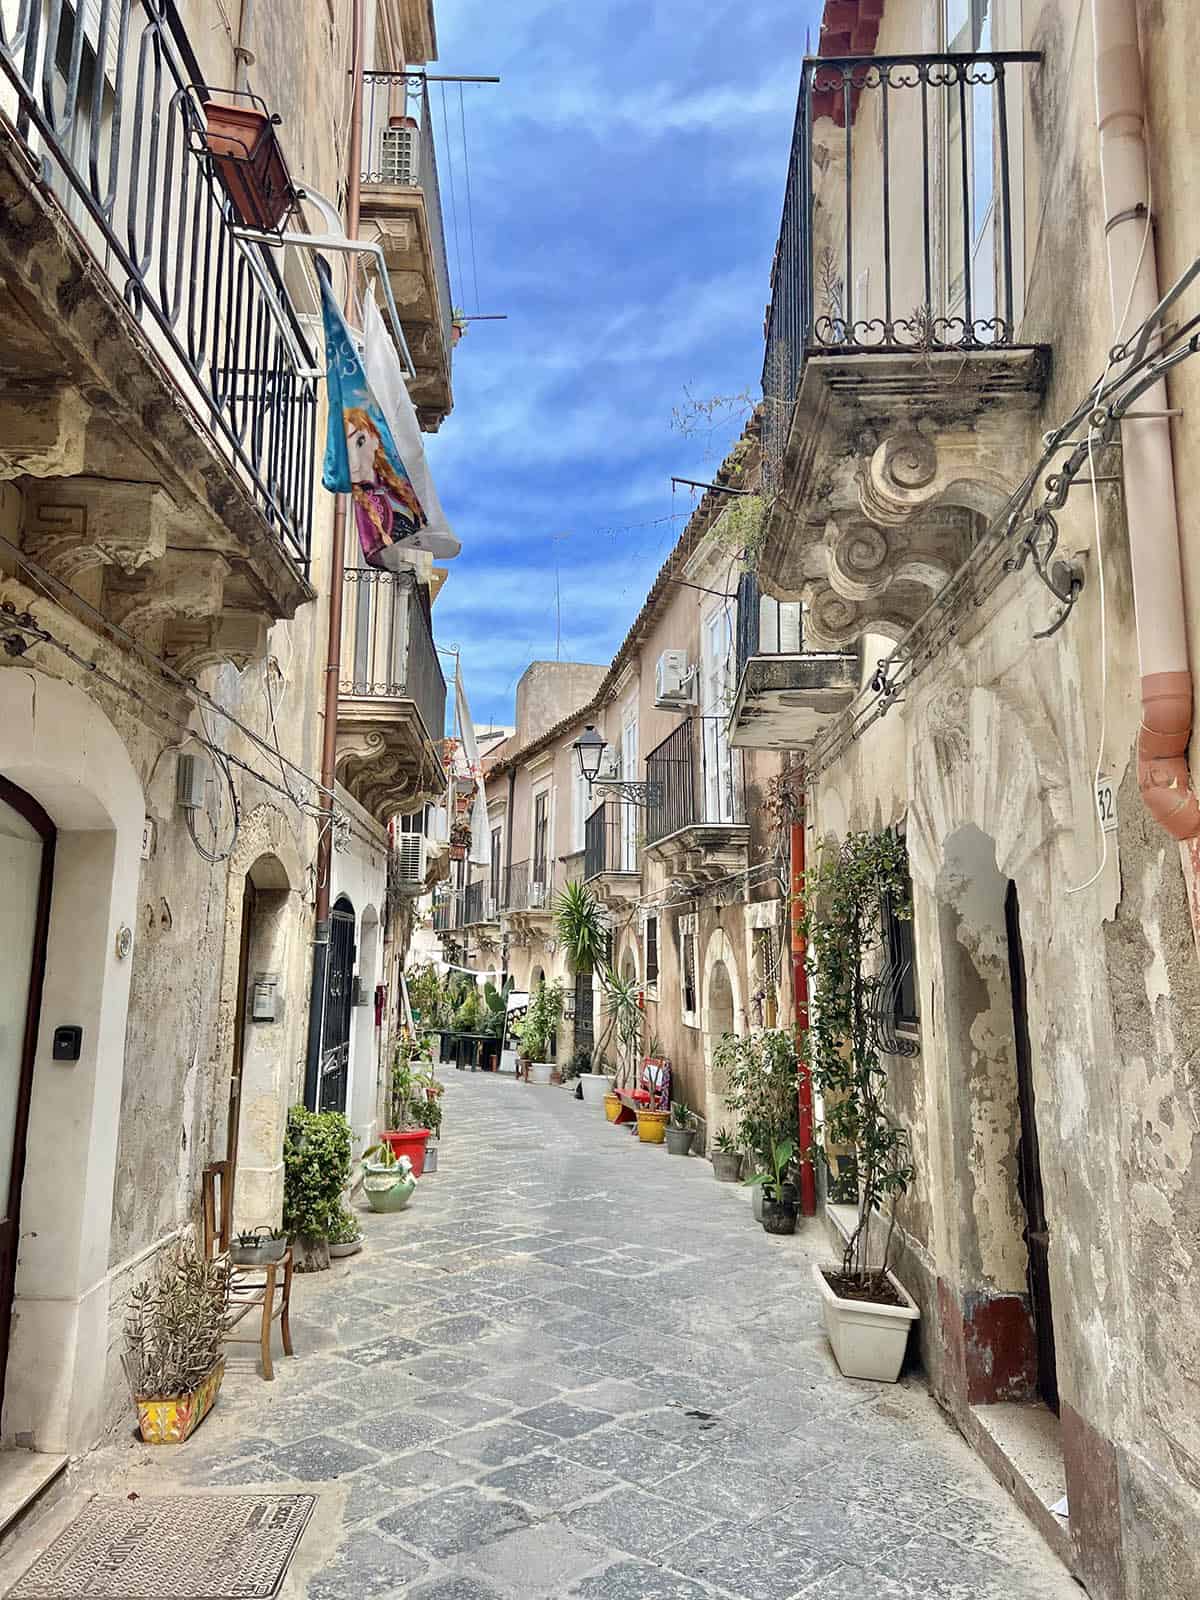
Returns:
<point x="539" y="1071"/>
<point x="868" y="1340"/>
<point x="595" y="1087"/>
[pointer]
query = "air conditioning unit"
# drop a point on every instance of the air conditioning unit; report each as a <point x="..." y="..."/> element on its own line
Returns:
<point x="674" y="681"/>
<point x="400" y="153"/>
<point x="410" y="859"/>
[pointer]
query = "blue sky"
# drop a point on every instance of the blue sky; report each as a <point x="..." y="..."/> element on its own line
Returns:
<point x="626" y="183"/>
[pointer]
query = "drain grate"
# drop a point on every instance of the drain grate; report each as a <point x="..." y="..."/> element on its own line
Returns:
<point x="177" y="1547"/>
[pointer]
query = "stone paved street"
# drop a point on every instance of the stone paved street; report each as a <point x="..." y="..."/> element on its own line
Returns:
<point x="576" y="1367"/>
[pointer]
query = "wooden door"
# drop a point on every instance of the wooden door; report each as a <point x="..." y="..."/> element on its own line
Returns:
<point x="1029" y="1167"/>
<point x="27" y="838"/>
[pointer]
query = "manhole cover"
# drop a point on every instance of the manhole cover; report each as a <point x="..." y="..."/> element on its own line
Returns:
<point x="178" y="1547"/>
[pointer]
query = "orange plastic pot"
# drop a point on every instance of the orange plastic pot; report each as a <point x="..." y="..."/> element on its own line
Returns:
<point x="409" y="1142"/>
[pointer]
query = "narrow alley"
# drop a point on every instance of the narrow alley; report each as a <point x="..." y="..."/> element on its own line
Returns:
<point x="575" y="1367"/>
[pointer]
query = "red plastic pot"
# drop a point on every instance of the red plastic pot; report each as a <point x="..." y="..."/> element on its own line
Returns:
<point x="409" y="1142"/>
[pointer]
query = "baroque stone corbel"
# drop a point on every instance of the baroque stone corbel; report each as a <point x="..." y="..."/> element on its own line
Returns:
<point x="73" y="524"/>
<point x="184" y="584"/>
<point x="910" y="472"/>
<point x="191" y="645"/>
<point x="43" y="431"/>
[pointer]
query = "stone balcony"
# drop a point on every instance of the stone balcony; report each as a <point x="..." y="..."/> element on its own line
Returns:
<point x="164" y="453"/>
<point x="695" y="822"/>
<point x="401" y="205"/>
<point x="392" y="703"/>
<point x="610" y="861"/>
<point x="785" y="694"/>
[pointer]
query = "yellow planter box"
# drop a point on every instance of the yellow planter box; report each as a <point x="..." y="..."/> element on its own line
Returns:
<point x="612" y="1107"/>
<point x="172" y="1420"/>
<point x="652" y="1126"/>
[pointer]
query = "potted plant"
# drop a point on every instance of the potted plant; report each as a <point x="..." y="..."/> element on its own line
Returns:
<point x="458" y="325"/>
<point x="388" y="1179"/>
<point x="255" y="1247"/>
<point x="762" y="1079"/>
<point x="726" y="1157"/>
<point x="172" y="1344"/>
<point x="413" y="1114"/>
<point x="680" y="1133"/>
<point x="778" y="1195"/>
<point x="866" y="1310"/>
<point x="316" y="1170"/>
<point x="246" y="157"/>
<point x="536" y="1033"/>
<point x="345" y="1236"/>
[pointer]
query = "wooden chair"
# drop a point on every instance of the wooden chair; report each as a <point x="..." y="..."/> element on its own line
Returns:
<point x="267" y="1289"/>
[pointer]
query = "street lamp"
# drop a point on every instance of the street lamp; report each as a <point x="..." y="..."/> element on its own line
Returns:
<point x="589" y="751"/>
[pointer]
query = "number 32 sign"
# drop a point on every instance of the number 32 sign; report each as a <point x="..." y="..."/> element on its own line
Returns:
<point x="1106" y="804"/>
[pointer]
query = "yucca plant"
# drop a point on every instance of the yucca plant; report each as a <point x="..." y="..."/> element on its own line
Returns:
<point x="581" y="928"/>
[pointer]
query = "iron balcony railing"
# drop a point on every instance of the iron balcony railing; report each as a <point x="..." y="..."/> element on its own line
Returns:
<point x="610" y="840"/>
<point x="695" y="778"/>
<point x="398" y="148"/>
<point x="897" y="228"/>
<point x="529" y="886"/>
<point x="765" y="626"/>
<point x="387" y="644"/>
<point x="448" y="911"/>
<point x="108" y="98"/>
<point x="479" y="903"/>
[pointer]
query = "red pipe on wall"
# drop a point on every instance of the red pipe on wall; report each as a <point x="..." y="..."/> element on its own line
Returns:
<point x="808" y="1177"/>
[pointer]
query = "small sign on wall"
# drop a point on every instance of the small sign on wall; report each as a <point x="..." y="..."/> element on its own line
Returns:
<point x="1106" y="804"/>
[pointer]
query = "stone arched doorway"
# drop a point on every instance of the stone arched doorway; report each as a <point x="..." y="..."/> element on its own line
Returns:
<point x="721" y="1013"/>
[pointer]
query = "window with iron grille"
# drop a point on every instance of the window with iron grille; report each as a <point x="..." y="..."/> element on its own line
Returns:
<point x="651" y="954"/>
<point x="585" y="1028"/>
<point x="902" y="964"/>
<point x="687" y="967"/>
<point x="766" y="977"/>
<point x="541" y="835"/>
<point x="495" y="883"/>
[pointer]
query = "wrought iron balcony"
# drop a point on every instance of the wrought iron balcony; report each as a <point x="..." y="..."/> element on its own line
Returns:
<point x="479" y="904"/>
<point x="402" y="198"/>
<point x="529" y="887"/>
<point x="124" y="283"/>
<point x="698" y="826"/>
<point x="610" y="851"/>
<point x="448" y="911"/>
<point x="785" y="694"/>
<point x="894" y="372"/>
<point x="392" y="706"/>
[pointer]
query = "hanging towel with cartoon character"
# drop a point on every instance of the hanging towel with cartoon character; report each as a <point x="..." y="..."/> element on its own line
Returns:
<point x="361" y="458"/>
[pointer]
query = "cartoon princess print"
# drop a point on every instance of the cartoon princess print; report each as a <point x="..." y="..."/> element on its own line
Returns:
<point x="387" y="512"/>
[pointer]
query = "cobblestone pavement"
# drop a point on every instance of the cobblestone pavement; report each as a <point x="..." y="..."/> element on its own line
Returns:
<point x="576" y="1367"/>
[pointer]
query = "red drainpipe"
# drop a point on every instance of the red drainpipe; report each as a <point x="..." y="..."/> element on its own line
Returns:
<point x="808" y="1177"/>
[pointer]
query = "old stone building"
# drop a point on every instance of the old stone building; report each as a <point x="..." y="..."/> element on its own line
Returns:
<point x="165" y="576"/>
<point x="986" y="200"/>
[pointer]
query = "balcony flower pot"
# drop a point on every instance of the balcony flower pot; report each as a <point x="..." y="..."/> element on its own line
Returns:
<point x="388" y="1186"/>
<point x="869" y="1337"/>
<point x="727" y="1165"/>
<point x="596" y="1086"/>
<point x="170" y="1419"/>
<point x="652" y="1126"/>
<point x="246" y="157"/>
<point x="408" y="1142"/>
<point x="612" y="1105"/>
<point x="679" y="1141"/>
<point x="541" y="1072"/>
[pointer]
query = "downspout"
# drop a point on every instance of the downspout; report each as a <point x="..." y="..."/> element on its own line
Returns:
<point x="333" y="666"/>
<point x="808" y="1179"/>
<point x="1147" y="457"/>
<point x="243" y="57"/>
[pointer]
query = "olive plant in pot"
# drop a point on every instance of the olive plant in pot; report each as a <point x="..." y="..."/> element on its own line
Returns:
<point x="414" y="1104"/>
<point x="316" y="1170"/>
<point x="680" y="1132"/>
<point x="536" y="1033"/>
<point x="847" y="893"/>
<point x="762" y="1078"/>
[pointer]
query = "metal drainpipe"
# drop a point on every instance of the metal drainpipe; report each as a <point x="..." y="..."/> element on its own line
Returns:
<point x="242" y="56"/>
<point x="320" y="964"/>
<point x="808" y="1177"/>
<point x="1148" y="464"/>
